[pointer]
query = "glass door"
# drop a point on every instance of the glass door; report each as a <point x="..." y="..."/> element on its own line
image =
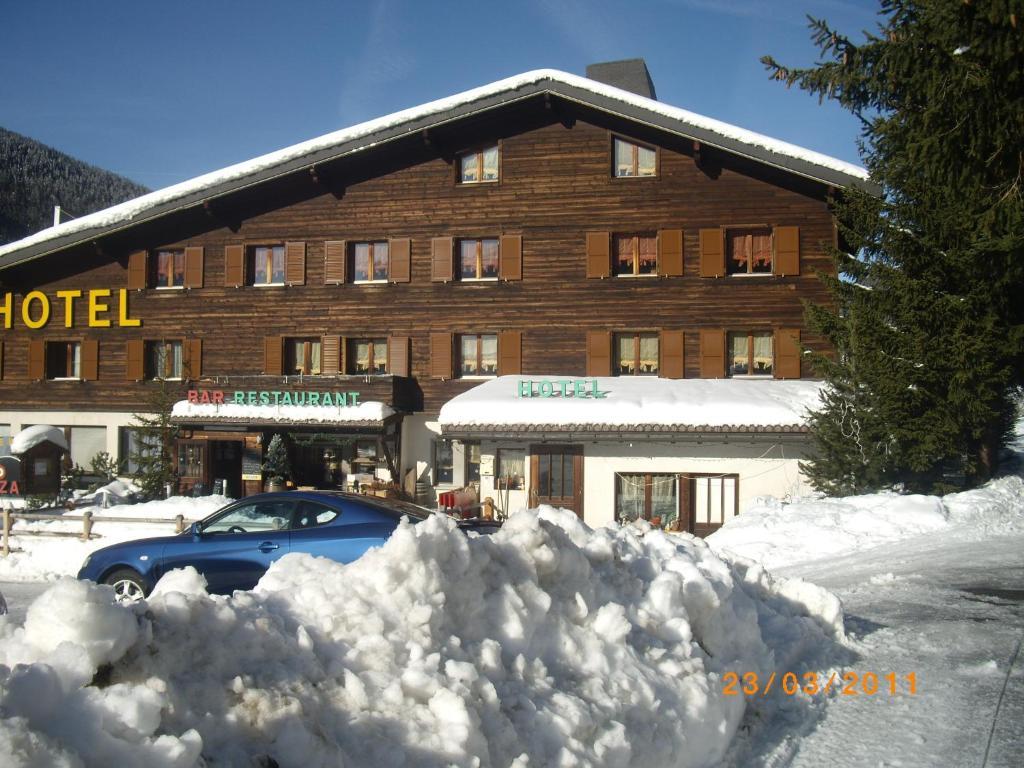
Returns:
<point x="556" y="476"/>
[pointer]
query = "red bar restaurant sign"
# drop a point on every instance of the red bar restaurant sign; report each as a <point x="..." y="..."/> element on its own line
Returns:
<point x="272" y="397"/>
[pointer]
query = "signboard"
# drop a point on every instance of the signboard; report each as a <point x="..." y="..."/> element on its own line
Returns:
<point x="252" y="463"/>
<point x="10" y="476"/>
<point x="487" y="465"/>
<point x="272" y="397"/>
<point x="36" y="308"/>
<point x="576" y="388"/>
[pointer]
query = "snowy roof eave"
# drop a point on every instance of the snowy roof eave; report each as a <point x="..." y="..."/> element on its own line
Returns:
<point x="365" y="415"/>
<point x="364" y="136"/>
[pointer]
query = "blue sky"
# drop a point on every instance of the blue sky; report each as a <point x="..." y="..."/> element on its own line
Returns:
<point x="164" y="91"/>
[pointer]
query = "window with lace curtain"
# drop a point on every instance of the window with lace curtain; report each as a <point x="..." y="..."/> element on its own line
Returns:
<point x="647" y="496"/>
<point x="636" y="354"/>
<point x="750" y="354"/>
<point x="748" y="251"/>
<point x="302" y="356"/>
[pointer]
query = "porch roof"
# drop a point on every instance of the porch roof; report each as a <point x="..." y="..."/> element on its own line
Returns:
<point x="369" y="414"/>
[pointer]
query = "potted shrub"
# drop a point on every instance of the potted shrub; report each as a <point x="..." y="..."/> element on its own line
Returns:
<point x="276" y="469"/>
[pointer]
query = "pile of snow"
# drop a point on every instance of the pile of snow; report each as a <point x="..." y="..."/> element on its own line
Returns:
<point x="30" y="437"/>
<point x="46" y="557"/>
<point x="545" y="644"/>
<point x="776" y="534"/>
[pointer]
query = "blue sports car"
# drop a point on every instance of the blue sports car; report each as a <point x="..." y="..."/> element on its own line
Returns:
<point x="235" y="545"/>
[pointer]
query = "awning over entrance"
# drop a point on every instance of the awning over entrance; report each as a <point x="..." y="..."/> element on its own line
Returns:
<point x="511" y="405"/>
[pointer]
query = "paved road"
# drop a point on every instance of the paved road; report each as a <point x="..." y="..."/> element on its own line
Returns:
<point x="19" y="594"/>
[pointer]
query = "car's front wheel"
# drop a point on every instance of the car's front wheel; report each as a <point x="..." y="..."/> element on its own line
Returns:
<point x="128" y="585"/>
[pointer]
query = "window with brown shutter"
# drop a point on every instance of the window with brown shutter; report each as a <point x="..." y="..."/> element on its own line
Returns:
<point x="787" y="250"/>
<point x="234" y="266"/>
<point x="712" y="253"/>
<point x="366" y="356"/>
<point x="599" y="353"/>
<point x="635" y="354"/>
<point x="670" y="252"/>
<point x="331" y="350"/>
<point x="510" y="353"/>
<point x="750" y="353"/>
<point x="295" y="263"/>
<point x="399" y="266"/>
<point x="712" y="353"/>
<point x="634" y="253"/>
<point x="511" y="257"/>
<point x="192" y="364"/>
<point x="672" y="359"/>
<point x="441" y="355"/>
<point x="398" y="355"/>
<point x="137" y="271"/>
<point x="334" y="262"/>
<point x="135" y="356"/>
<point x="272" y="358"/>
<point x="194" y="267"/>
<point x="90" y="360"/>
<point x="441" y="262"/>
<point x="748" y="251"/>
<point x="787" y="353"/>
<point x="598" y="254"/>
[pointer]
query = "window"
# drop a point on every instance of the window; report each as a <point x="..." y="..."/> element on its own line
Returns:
<point x="262" y="516"/>
<point x="635" y="254"/>
<point x="132" y="445"/>
<point x="310" y="515"/>
<point x="444" y="462"/>
<point x="479" y="166"/>
<point x="713" y="500"/>
<point x="636" y="354"/>
<point x="632" y="160"/>
<point x="168" y="269"/>
<point x="63" y="360"/>
<point x="266" y="264"/>
<point x="190" y="458"/>
<point x="478" y="259"/>
<point x="367" y="356"/>
<point x="472" y="452"/>
<point x="509" y="471"/>
<point x="369" y="262"/>
<point x="163" y="359"/>
<point x="750" y="354"/>
<point x="748" y="251"/>
<point x="478" y="355"/>
<point x="302" y="356"/>
<point x="646" y="496"/>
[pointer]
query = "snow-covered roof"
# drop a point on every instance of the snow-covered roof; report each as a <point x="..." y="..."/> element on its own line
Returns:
<point x="631" y="404"/>
<point x="364" y="136"/>
<point x="368" y="414"/>
<point x="30" y="437"/>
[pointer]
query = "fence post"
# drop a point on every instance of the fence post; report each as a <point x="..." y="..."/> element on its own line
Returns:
<point x="179" y="523"/>
<point x="488" y="511"/>
<point x="86" y="525"/>
<point x="7" y="531"/>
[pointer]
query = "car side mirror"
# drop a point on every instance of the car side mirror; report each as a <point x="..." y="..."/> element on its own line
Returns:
<point x="196" y="530"/>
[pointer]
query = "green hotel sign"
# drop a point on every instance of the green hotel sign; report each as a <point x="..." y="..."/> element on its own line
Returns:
<point x="564" y="388"/>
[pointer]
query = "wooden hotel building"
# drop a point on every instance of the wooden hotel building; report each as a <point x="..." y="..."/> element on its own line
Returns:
<point x="569" y="257"/>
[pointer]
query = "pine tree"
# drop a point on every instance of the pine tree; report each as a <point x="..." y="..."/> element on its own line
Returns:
<point x="154" y="455"/>
<point x="276" y="465"/>
<point x="927" y="315"/>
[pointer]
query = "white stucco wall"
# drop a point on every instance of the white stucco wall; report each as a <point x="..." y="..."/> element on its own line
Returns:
<point x="111" y="420"/>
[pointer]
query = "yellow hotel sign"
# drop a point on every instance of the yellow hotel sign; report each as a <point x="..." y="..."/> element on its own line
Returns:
<point x="36" y="308"/>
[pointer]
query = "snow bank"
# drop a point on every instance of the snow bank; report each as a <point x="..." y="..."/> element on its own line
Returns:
<point x="545" y="644"/>
<point x="777" y="534"/>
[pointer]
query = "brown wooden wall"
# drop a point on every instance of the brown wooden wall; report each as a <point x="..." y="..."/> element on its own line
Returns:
<point x="556" y="186"/>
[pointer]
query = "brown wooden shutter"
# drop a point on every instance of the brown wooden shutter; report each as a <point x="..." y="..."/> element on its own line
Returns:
<point x="192" y="364"/>
<point x="670" y="252"/>
<point x="398" y="355"/>
<point x="510" y="353"/>
<point x="787" y="353"/>
<point x="135" y="355"/>
<point x="234" y="265"/>
<point x="330" y="355"/>
<point x="441" y="262"/>
<point x="510" y="257"/>
<point x="599" y="261"/>
<point x="787" y="250"/>
<point x="334" y="262"/>
<point x="599" y="353"/>
<point x="712" y="253"/>
<point x="36" y="359"/>
<point x="136" y="271"/>
<point x="272" y="356"/>
<point x="671" y="344"/>
<point x="441" y="355"/>
<point x="90" y="360"/>
<point x="295" y="263"/>
<point x="1" y="359"/>
<point x="712" y="353"/>
<point x="194" y="267"/>
<point x="400" y="260"/>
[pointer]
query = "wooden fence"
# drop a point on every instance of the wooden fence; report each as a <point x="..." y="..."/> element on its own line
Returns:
<point x="86" y="518"/>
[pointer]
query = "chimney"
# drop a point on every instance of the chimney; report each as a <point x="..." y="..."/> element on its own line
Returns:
<point x="628" y="74"/>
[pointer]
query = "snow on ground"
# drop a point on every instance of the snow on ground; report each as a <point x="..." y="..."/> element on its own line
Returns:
<point x="35" y="557"/>
<point x="545" y="644"/>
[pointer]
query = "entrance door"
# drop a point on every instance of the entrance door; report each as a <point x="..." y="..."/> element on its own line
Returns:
<point x="226" y="465"/>
<point x="556" y="476"/>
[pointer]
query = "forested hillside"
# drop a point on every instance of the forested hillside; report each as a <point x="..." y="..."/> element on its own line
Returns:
<point x="34" y="178"/>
